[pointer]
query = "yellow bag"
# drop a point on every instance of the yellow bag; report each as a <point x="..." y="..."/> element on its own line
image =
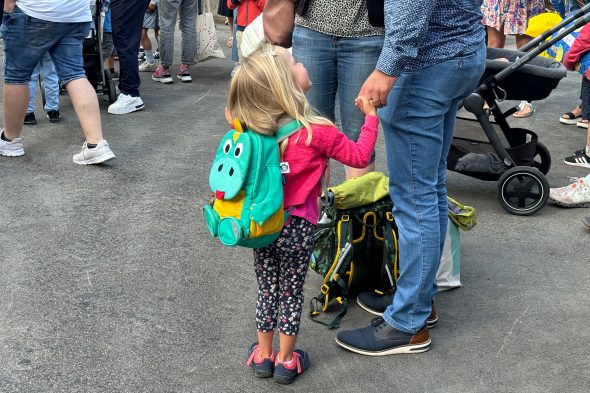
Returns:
<point x="361" y="191"/>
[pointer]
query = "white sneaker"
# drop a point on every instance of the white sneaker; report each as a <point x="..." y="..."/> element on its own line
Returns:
<point x="126" y="104"/>
<point x="101" y="153"/>
<point x="13" y="148"/>
<point x="148" y="67"/>
<point x="575" y="195"/>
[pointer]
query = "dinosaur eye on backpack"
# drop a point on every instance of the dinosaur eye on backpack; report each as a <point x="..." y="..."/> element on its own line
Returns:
<point x="227" y="146"/>
<point x="238" y="150"/>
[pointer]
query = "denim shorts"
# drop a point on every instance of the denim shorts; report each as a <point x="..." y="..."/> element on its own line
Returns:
<point x="27" y="39"/>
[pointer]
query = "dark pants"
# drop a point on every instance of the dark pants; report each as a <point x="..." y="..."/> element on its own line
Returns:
<point x="585" y="97"/>
<point x="126" y="21"/>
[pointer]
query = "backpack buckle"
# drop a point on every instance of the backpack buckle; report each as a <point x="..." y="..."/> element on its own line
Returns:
<point x="345" y="218"/>
<point x="389" y="216"/>
<point x="324" y="289"/>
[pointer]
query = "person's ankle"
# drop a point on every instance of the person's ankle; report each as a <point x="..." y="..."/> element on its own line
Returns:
<point x="285" y="358"/>
<point x="264" y="353"/>
<point x="4" y="137"/>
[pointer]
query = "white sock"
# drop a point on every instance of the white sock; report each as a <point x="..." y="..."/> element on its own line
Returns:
<point x="149" y="56"/>
<point x="588" y="150"/>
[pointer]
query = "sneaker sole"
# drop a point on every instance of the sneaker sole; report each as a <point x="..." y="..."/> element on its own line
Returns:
<point x="581" y="125"/>
<point x="165" y="81"/>
<point x="288" y="380"/>
<point x="579" y="164"/>
<point x="262" y="374"/>
<point x="185" y="79"/>
<point x="430" y="323"/>
<point x="96" y="160"/>
<point x="559" y="203"/>
<point x="13" y="153"/>
<point x="127" y="110"/>
<point x="404" y="349"/>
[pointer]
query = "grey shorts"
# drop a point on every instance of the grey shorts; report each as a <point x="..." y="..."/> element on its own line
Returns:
<point x="108" y="47"/>
<point x="150" y="20"/>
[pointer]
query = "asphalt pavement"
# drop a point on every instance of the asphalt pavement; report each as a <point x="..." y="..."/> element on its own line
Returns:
<point x="110" y="282"/>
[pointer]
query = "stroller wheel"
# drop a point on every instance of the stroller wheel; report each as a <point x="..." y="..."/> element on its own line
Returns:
<point x="523" y="190"/>
<point x="542" y="159"/>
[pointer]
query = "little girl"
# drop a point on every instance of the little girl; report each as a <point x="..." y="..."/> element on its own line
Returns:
<point x="268" y="90"/>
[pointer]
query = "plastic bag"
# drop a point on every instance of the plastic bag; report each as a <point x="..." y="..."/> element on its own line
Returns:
<point x="207" y="45"/>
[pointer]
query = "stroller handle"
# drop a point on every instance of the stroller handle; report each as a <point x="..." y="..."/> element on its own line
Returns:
<point x="581" y="17"/>
<point x="548" y="33"/>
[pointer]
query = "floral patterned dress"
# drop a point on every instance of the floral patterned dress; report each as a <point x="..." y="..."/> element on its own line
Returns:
<point x="510" y="16"/>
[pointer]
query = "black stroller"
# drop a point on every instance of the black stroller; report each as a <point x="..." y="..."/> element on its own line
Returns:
<point x="99" y="77"/>
<point x="518" y="161"/>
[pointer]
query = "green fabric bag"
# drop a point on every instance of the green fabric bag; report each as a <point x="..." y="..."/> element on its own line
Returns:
<point x="361" y="191"/>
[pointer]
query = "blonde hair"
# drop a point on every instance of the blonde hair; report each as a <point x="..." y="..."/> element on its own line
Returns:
<point x="263" y="91"/>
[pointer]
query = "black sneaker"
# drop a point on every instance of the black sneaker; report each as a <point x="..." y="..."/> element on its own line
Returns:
<point x="376" y="303"/>
<point x="156" y="55"/>
<point x="141" y="56"/>
<point x="263" y="369"/>
<point x="30" y="119"/>
<point x="53" y="116"/>
<point x="380" y="339"/>
<point x="286" y="374"/>
<point x="580" y="158"/>
<point x="115" y="76"/>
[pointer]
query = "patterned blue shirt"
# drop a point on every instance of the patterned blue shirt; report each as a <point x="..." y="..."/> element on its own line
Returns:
<point x="419" y="34"/>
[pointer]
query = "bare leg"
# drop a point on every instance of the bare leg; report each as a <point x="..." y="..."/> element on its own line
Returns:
<point x="265" y="344"/>
<point x="522" y="40"/>
<point x="109" y="62"/>
<point x="355" y="172"/>
<point x="588" y="136"/>
<point x="16" y="101"/>
<point x="157" y="35"/>
<point x="145" y="40"/>
<point x="287" y="346"/>
<point x="496" y="39"/>
<point x="85" y="104"/>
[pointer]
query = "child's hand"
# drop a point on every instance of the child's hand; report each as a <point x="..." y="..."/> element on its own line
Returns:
<point x="151" y="8"/>
<point x="365" y="105"/>
<point x="228" y="117"/>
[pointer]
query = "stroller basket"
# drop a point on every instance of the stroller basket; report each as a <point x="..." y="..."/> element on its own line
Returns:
<point x="533" y="81"/>
<point x="479" y="159"/>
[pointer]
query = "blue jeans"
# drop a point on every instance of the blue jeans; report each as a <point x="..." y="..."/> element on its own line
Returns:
<point x="418" y="125"/>
<point x="27" y="39"/>
<point x="337" y="65"/>
<point x="50" y="84"/>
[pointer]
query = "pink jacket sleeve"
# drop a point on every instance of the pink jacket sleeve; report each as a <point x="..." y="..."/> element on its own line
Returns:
<point x="336" y="145"/>
<point x="580" y="46"/>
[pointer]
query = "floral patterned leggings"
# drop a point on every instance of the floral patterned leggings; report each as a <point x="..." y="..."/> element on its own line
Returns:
<point x="280" y="270"/>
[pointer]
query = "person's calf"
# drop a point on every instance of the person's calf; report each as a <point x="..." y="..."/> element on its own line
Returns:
<point x="16" y="102"/>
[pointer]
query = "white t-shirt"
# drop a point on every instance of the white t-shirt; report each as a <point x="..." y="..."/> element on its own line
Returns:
<point x="67" y="11"/>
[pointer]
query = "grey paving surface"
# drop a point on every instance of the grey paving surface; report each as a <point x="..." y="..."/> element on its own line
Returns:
<point x="109" y="281"/>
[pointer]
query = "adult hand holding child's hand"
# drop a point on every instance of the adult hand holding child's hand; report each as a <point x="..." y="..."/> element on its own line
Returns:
<point x="365" y="105"/>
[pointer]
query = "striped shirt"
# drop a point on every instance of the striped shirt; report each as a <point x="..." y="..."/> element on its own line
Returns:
<point x="421" y="34"/>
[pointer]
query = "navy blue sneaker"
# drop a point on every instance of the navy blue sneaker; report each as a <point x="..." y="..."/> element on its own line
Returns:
<point x="380" y="339"/>
<point x="263" y="369"/>
<point x="286" y="373"/>
<point x="376" y="303"/>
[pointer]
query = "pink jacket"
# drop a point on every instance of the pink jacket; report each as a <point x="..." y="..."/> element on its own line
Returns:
<point x="308" y="163"/>
<point x="579" y="48"/>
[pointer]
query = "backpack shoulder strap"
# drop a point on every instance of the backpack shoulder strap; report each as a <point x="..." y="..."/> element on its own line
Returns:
<point x="288" y="129"/>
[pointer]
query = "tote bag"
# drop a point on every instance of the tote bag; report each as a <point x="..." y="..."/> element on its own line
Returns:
<point x="207" y="45"/>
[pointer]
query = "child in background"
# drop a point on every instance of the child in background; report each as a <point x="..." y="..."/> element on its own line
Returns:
<point x="108" y="47"/>
<point x="51" y="86"/>
<point x="268" y="90"/>
<point x="248" y="10"/>
<point x="150" y="21"/>
<point x="580" y="46"/>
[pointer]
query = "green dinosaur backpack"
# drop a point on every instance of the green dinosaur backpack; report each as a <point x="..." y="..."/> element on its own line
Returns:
<point x="247" y="204"/>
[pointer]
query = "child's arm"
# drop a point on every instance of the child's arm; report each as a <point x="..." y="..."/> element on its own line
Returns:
<point x="357" y="154"/>
<point x="580" y="46"/>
